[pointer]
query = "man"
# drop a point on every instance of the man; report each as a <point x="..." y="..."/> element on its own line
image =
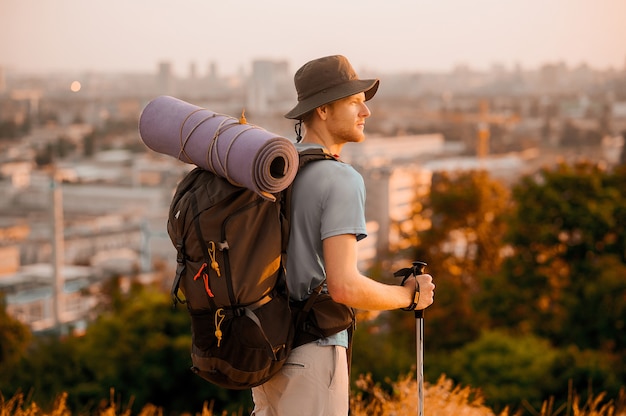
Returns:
<point x="327" y="220"/>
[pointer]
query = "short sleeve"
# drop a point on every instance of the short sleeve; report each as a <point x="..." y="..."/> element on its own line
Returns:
<point x="343" y="209"/>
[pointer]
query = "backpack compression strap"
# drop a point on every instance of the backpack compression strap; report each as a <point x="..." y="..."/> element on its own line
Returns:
<point x="181" y="268"/>
<point x="248" y="311"/>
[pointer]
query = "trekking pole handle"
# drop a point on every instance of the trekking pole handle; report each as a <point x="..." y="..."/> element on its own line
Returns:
<point x="419" y="268"/>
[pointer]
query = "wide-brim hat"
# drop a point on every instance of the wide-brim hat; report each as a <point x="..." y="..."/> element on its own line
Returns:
<point x="327" y="79"/>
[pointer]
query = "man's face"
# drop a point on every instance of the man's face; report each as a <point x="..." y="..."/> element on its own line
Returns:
<point x="346" y="118"/>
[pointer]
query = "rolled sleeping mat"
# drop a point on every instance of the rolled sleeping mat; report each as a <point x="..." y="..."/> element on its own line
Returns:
<point x="244" y="154"/>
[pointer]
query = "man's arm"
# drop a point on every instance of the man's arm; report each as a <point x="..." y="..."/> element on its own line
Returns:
<point x="348" y="286"/>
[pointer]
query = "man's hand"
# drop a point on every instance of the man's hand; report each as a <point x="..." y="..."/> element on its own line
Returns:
<point x="427" y="291"/>
<point x="426" y="294"/>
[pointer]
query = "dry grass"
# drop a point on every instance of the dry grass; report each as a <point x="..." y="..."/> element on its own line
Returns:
<point x="446" y="399"/>
<point x="441" y="399"/>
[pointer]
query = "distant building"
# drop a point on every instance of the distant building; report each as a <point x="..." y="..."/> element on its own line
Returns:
<point x="165" y="79"/>
<point x="193" y="71"/>
<point x="398" y="171"/>
<point x="265" y="86"/>
<point x="212" y="73"/>
<point x="9" y="259"/>
<point x="391" y="193"/>
<point x="29" y="296"/>
<point x="387" y="151"/>
<point x="393" y="172"/>
<point x="108" y="230"/>
<point x="116" y="201"/>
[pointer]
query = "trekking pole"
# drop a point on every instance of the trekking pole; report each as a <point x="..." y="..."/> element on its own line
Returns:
<point x="417" y="269"/>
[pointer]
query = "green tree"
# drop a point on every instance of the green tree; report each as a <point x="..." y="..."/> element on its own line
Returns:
<point x="565" y="280"/>
<point x="53" y="366"/>
<point x="142" y="350"/>
<point x="509" y="369"/>
<point x="14" y="338"/>
<point x="139" y="348"/>
<point x="463" y="243"/>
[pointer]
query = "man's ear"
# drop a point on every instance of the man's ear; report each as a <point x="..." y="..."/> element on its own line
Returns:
<point x="322" y="111"/>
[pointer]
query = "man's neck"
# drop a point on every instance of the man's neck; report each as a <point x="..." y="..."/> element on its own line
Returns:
<point x="312" y="136"/>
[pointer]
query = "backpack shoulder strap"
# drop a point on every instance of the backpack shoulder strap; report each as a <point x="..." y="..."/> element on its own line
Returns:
<point x="305" y="157"/>
<point x="316" y="153"/>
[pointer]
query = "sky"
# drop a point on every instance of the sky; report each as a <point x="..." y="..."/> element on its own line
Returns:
<point x="383" y="36"/>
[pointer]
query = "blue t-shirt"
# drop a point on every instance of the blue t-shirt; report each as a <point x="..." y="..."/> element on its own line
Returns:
<point x="328" y="199"/>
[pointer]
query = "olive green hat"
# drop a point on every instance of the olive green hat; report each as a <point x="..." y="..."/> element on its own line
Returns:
<point x="327" y="79"/>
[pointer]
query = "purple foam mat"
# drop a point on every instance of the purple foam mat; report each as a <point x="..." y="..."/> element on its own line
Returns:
<point x="245" y="154"/>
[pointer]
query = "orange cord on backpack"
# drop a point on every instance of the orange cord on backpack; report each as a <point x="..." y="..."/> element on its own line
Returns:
<point x="218" y="332"/>
<point x="205" y="278"/>
<point x="214" y="264"/>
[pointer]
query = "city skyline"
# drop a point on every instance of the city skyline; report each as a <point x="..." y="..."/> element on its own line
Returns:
<point x="394" y="36"/>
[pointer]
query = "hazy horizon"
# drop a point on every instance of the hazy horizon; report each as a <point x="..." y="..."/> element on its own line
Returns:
<point x="392" y="36"/>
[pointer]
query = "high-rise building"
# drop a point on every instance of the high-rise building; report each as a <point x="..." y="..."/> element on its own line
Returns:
<point x="264" y="85"/>
<point x="212" y="73"/>
<point x="165" y="79"/>
<point x="193" y="72"/>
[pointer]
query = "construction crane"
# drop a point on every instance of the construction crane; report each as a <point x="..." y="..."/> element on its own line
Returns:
<point x="482" y="120"/>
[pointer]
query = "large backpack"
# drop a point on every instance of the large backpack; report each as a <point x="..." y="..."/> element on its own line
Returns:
<point x="231" y="247"/>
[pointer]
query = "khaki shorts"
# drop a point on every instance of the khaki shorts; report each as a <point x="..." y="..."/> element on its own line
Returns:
<point x="313" y="382"/>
